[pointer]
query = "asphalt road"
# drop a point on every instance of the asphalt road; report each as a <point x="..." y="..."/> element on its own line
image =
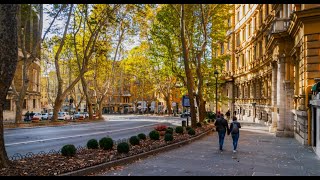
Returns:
<point x="46" y="139"/>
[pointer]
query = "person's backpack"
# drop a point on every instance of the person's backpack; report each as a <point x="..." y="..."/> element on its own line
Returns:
<point x="235" y="128"/>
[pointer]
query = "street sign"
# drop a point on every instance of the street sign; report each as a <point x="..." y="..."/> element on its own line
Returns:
<point x="185" y="101"/>
<point x="174" y="104"/>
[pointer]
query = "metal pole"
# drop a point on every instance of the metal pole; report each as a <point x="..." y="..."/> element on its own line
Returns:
<point x="216" y="95"/>
<point x="187" y="120"/>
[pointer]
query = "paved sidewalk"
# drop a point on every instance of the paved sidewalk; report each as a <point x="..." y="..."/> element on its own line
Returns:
<point x="260" y="153"/>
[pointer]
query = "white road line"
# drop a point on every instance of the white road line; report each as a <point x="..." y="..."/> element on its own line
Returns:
<point x="66" y="137"/>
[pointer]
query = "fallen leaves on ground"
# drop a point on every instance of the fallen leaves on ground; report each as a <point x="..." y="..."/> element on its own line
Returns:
<point x="55" y="164"/>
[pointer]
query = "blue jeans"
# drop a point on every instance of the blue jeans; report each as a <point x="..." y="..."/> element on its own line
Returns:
<point x="221" y="138"/>
<point x="235" y="138"/>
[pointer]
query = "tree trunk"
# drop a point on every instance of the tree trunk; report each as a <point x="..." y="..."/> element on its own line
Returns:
<point x="8" y="63"/>
<point x="19" y="105"/>
<point x="190" y="80"/>
<point x="88" y="98"/>
<point x="167" y="98"/>
<point x="57" y="107"/>
<point x="99" y="113"/>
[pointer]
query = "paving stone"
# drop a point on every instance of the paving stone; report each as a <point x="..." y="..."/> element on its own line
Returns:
<point x="259" y="154"/>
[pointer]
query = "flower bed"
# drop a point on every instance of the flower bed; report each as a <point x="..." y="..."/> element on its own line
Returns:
<point x="55" y="164"/>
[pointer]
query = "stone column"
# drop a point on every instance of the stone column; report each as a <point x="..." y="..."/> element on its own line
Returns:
<point x="231" y="98"/>
<point x="274" y="116"/>
<point x="288" y="121"/>
<point x="281" y="96"/>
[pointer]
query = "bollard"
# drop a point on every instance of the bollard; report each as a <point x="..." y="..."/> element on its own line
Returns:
<point x="183" y="123"/>
<point x="187" y="120"/>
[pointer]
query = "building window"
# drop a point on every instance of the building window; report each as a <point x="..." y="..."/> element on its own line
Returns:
<point x="243" y="10"/>
<point x="34" y="103"/>
<point x="260" y="49"/>
<point x="238" y="16"/>
<point x="237" y="92"/>
<point x="256" y="25"/>
<point x="228" y="65"/>
<point x="228" y="45"/>
<point x="229" y="22"/>
<point x="267" y="10"/>
<point x="35" y="80"/>
<point x="24" y="104"/>
<point x="266" y="39"/>
<point x="254" y="52"/>
<point x="238" y="62"/>
<point x="7" y="105"/>
<point x="244" y="35"/>
<point x="260" y="17"/>
<point x="238" y="39"/>
<point x="222" y="48"/>
<point x="249" y="28"/>
<point x="243" y="62"/>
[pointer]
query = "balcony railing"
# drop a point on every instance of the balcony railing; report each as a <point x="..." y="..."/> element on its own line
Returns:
<point x="280" y="25"/>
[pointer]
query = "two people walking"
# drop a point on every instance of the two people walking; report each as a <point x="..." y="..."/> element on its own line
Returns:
<point x="222" y="128"/>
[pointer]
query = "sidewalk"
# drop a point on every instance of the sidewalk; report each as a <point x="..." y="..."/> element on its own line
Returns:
<point x="260" y="153"/>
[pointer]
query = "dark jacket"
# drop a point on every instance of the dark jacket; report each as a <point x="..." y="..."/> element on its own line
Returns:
<point x="221" y="125"/>
<point x="231" y="125"/>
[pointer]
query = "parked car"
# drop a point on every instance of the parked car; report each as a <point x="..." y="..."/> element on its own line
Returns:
<point x="77" y="115"/>
<point x="45" y="116"/>
<point x="37" y="115"/>
<point x="50" y="115"/>
<point x="86" y="114"/>
<point x="64" y="116"/>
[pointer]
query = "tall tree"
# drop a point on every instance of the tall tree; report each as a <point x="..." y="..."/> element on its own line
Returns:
<point x="60" y="93"/>
<point x="186" y="60"/>
<point x="32" y="54"/>
<point x="8" y="63"/>
<point x="93" y="27"/>
<point x="165" y="52"/>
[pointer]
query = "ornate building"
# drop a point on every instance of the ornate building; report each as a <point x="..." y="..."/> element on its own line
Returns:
<point x="274" y="62"/>
<point x="32" y="98"/>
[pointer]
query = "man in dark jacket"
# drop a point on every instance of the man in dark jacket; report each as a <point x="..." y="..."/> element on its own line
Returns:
<point x="221" y="127"/>
<point x="235" y="133"/>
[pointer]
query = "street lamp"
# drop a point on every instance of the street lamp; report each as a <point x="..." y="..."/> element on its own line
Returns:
<point x="216" y="73"/>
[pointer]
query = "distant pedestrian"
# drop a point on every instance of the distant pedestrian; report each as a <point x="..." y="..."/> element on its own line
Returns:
<point x="27" y="116"/>
<point x="31" y="114"/>
<point x="221" y="127"/>
<point x="228" y="114"/>
<point x="235" y="133"/>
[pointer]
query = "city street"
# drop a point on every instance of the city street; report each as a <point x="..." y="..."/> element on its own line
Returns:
<point x="35" y="140"/>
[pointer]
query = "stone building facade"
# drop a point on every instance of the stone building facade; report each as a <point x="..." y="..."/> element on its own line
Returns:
<point x="274" y="62"/>
<point x="33" y="96"/>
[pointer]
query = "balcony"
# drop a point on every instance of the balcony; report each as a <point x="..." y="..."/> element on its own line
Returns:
<point x="280" y="25"/>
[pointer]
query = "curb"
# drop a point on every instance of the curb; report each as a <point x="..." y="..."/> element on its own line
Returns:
<point x="126" y="160"/>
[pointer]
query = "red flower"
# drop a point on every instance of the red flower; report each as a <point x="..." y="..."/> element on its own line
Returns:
<point x="160" y="128"/>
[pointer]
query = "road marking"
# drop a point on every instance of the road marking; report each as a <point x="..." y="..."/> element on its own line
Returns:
<point x="66" y="137"/>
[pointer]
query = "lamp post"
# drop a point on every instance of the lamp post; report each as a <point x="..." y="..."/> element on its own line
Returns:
<point x="216" y="73"/>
